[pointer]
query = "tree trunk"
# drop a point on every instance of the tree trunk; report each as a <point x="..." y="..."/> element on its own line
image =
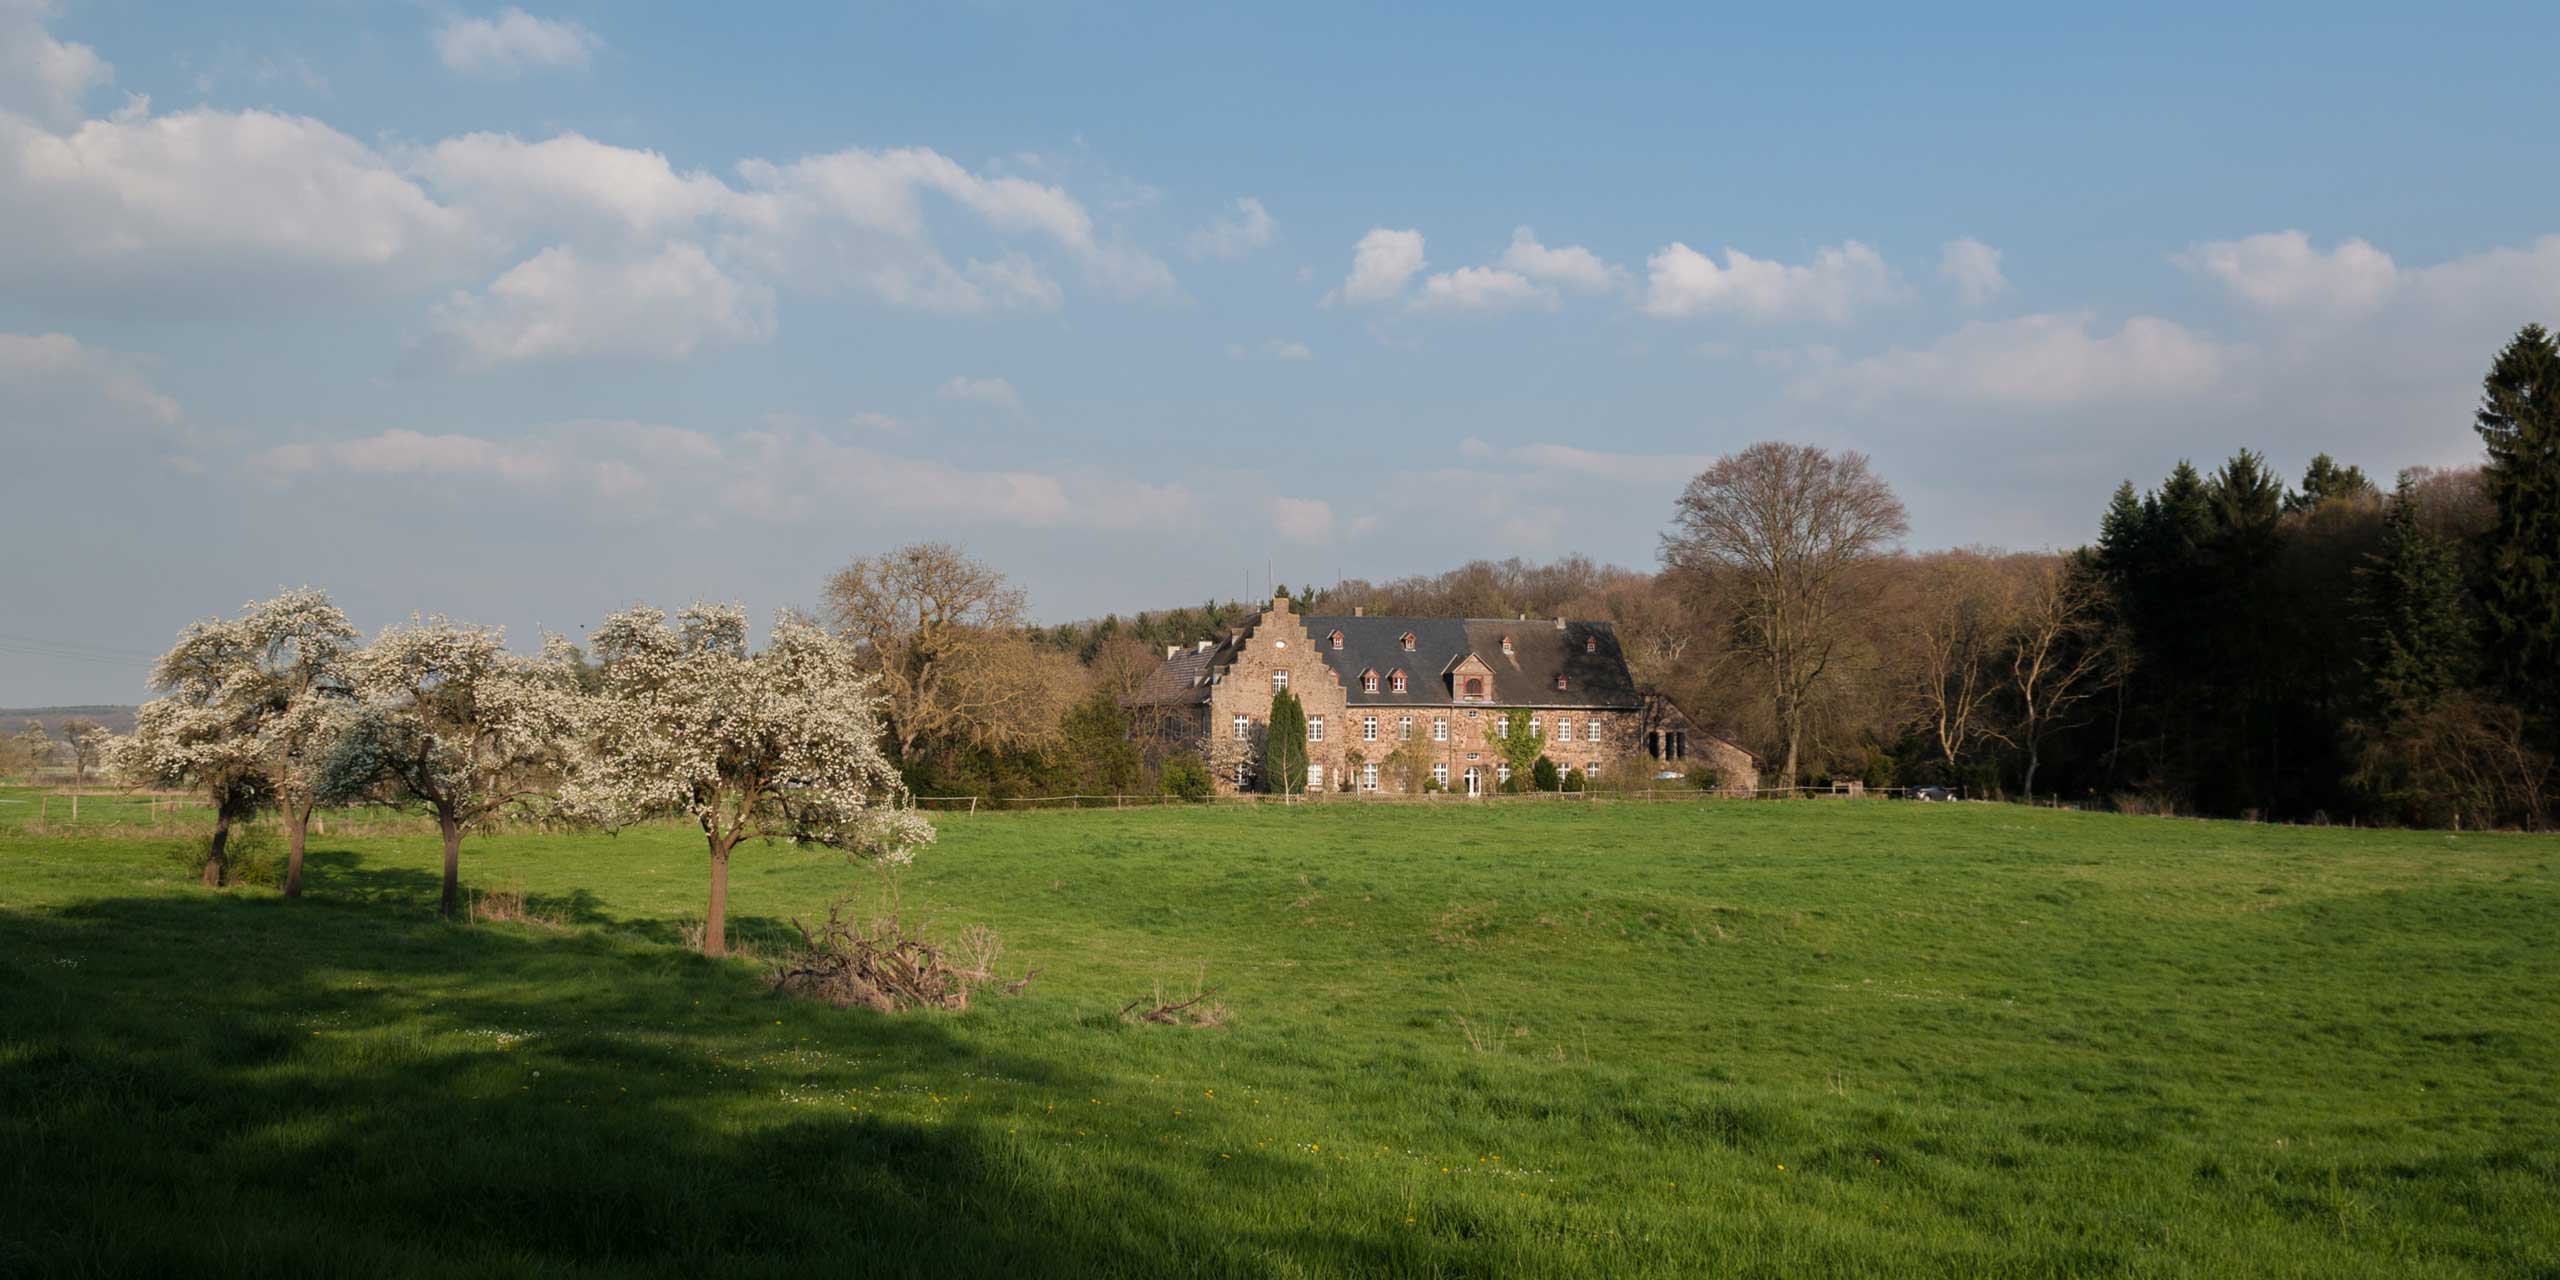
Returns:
<point x="2032" y="757"/>
<point x="451" y="829"/>
<point x="1789" y="780"/>
<point x="715" y="925"/>
<point x="217" y="855"/>
<point x="297" y="821"/>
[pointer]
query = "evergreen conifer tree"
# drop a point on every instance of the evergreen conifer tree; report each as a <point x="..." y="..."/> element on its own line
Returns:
<point x="1284" y="752"/>
<point x="2519" y="555"/>
<point x="2418" y="640"/>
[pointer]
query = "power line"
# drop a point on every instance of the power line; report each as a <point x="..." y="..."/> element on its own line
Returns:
<point x="71" y="651"/>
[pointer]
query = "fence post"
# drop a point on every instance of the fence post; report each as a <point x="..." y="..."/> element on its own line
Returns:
<point x="973" y="806"/>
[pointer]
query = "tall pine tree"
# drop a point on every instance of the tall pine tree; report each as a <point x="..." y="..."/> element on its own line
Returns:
<point x="2519" y="559"/>
<point x="2417" y="642"/>
<point x="2323" y="480"/>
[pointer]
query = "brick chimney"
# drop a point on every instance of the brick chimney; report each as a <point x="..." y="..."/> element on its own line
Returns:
<point x="1559" y="622"/>
<point x="1359" y="611"/>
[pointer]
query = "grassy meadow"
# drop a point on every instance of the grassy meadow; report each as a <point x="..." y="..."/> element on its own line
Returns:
<point x="1707" y="1039"/>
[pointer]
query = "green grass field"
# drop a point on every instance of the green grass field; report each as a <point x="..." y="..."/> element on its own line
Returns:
<point x="1823" y="1038"/>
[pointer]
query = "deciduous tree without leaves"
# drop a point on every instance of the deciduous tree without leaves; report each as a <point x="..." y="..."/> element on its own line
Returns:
<point x="1788" y="523"/>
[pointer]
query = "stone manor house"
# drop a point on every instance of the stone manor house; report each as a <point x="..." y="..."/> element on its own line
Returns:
<point x="1372" y="685"/>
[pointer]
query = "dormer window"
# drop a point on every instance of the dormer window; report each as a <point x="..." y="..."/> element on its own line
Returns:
<point x="1335" y="640"/>
<point x="1506" y="646"/>
<point x="1369" y="681"/>
<point x="1407" y="642"/>
<point x="1560" y="680"/>
<point x="1591" y="644"/>
<point x="1475" y="686"/>
<point x="1395" y="680"/>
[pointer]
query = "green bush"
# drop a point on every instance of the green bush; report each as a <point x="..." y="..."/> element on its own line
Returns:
<point x="1543" y="775"/>
<point x="1185" y="777"/>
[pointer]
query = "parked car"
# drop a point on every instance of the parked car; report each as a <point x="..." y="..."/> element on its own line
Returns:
<point x="1932" y="793"/>
<point x="1669" y="775"/>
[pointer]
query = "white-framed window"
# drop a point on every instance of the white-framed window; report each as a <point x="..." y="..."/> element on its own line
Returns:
<point x="1279" y="681"/>
<point x="1368" y="682"/>
<point x="1368" y="728"/>
<point x="1591" y="731"/>
<point x="1315" y="728"/>
<point x="1591" y="770"/>
<point x="1502" y="727"/>
<point x="1244" y="728"/>
<point x="1396" y="681"/>
<point x="1241" y="775"/>
<point x="1404" y="728"/>
<point x="1534" y="730"/>
<point x="1501" y="774"/>
<point x="1368" y="777"/>
<point x="1440" y="774"/>
<point x="1564" y="729"/>
<point x="1315" y="777"/>
<point x="1440" y="729"/>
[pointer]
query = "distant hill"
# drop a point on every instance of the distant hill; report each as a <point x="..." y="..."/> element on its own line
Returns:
<point x="117" y="719"/>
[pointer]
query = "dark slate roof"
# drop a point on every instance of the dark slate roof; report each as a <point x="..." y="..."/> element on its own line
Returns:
<point x="1526" y="677"/>
<point x="1180" y="681"/>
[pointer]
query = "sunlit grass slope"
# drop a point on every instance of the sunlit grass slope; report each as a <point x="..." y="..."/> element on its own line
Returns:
<point x="1819" y="1038"/>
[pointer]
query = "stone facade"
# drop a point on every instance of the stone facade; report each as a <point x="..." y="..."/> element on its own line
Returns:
<point x="1461" y="680"/>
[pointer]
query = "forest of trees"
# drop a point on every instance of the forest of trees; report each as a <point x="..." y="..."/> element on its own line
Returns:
<point x="2231" y="644"/>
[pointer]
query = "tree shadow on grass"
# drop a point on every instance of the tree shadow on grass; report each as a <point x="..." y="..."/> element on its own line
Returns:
<point x="201" y="1084"/>
<point x="344" y="875"/>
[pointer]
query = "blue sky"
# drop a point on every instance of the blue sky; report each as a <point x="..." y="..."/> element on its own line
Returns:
<point x="523" y="315"/>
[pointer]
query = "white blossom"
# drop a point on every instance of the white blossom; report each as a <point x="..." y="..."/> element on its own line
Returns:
<point x="446" y="717"/>
<point x="249" y="707"/>
<point x="782" y="744"/>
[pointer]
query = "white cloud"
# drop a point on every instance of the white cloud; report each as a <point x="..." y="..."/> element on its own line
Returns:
<point x="1974" y="268"/>
<point x="1554" y="460"/>
<point x="53" y="382"/>
<point x="1380" y="265"/>
<point x="1572" y="267"/>
<point x="39" y="75"/>
<point x="2037" y="362"/>
<point x="1682" y="282"/>
<point x="561" y="305"/>
<point x="572" y="183"/>
<point x="1307" y="520"/>
<point x="991" y="391"/>
<point x="1251" y="228"/>
<point x="1480" y="289"/>
<point x="856" y="219"/>
<point x="1270" y="349"/>
<point x="2280" y="271"/>
<point x="219" y="209"/>
<point x="405" y="453"/>
<point x="642" y="471"/>
<point x="512" y="43"/>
